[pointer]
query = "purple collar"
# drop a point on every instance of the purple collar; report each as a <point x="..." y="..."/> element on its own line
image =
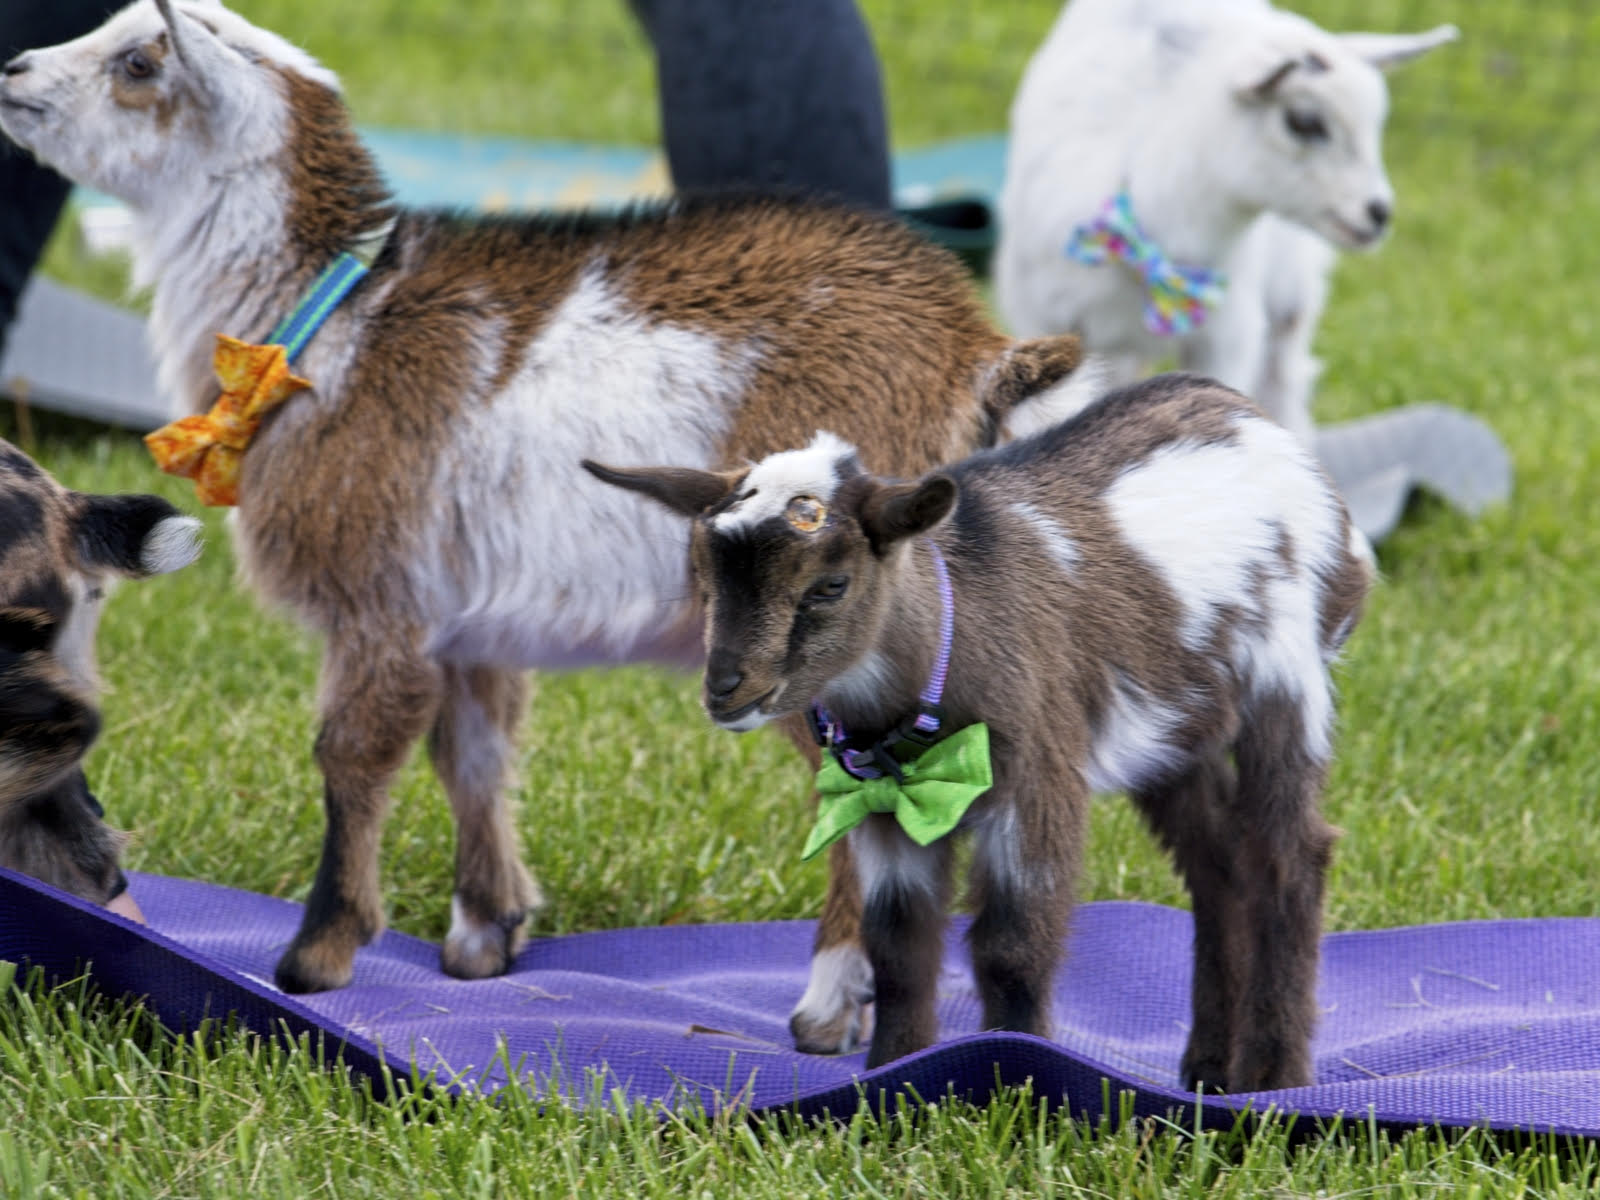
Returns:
<point x="921" y="728"/>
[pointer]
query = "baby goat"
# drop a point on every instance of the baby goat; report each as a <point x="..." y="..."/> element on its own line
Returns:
<point x="1245" y="142"/>
<point x="59" y="551"/>
<point x="421" y="504"/>
<point x="1144" y="598"/>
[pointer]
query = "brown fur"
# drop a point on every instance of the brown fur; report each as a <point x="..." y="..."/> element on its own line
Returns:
<point x="1038" y="655"/>
<point x="57" y="551"/>
<point x="854" y="321"/>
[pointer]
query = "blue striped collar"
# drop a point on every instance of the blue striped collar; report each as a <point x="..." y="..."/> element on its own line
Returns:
<point x="330" y="287"/>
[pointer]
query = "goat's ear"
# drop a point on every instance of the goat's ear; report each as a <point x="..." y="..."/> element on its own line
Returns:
<point x="202" y="54"/>
<point x="895" y="511"/>
<point x="682" y="489"/>
<point x="134" y="535"/>
<point x="1389" y="50"/>
<point x="1257" y="79"/>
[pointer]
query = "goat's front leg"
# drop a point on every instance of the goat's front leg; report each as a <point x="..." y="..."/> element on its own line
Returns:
<point x="905" y="892"/>
<point x="377" y="700"/>
<point x="831" y="1017"/>
<point x="1027" y="848"/>
<point x="472" y="744"/>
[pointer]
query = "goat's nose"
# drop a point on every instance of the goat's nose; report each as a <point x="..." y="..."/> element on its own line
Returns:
<point x="1379" y="211"/>
<point x="722" y="680"/>
<point x="16" y="66"/>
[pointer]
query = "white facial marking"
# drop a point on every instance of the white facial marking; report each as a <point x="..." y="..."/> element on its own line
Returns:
<point x="840" y="979"/>
<point x="1132" y="743"/>
<point x="74" y="647"/>
<point x="779" y="478"/>
<point x="754" y="719"/>
<point x="1058" y="547"/>
<point x="1211" y="519"/>
<point x="599" y="381"/>
<point x="170" y="544"/>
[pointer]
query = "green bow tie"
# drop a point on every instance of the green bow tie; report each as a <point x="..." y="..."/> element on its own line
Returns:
<point x="940" y="785"/>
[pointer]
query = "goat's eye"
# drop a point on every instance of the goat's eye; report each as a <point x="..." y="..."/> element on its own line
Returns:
<point x="137" y="65"/>
<point x="826" y="591"/>
<point x="1306" y="125"/>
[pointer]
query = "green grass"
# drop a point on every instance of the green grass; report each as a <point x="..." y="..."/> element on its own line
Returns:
<point x="1466" y="779"/>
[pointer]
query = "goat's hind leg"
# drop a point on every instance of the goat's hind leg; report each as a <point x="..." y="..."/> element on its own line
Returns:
<point x="1285" y="848"/>
<point x="376" y="702"/>
<point x="1190" y="815"/>
<point x="472" y="744"/>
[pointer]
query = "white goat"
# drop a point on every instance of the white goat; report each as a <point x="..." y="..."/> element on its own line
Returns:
<point x="1247" y="141"/>
<point x="420" y="503"/>
<point x="1145" y="598"/>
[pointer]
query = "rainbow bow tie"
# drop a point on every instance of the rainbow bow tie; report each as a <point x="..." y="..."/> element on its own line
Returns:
<point x="939" y="786"/>
<point x="1176" y="297"/>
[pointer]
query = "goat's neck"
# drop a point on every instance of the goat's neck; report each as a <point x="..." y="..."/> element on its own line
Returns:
<point x="1182" y="198"/>
<point x="887" y="681"/>
<point x="219" y="263"/>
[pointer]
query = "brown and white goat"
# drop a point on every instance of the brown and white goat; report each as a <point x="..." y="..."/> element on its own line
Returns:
<point x="422" y="505"/>
<point x="59" y="552"/>
<point x="1146" y="598"/>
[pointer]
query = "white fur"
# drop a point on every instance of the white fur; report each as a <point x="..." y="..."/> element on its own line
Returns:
<point x="1059" y="548"/>
<point x="74" y="645"/>
<point x="1161" y="97"/>
<point x="1210" y="519"/>
<point x="471" y="938"/>
<point x="1132" y="744"/>
<point x="599" y="381"/>
<point x="779" y="478"/>
<point x="170" y="544"/>
<point x="861" y="684"/>
<point x="840" y="979"/>
<point x="889" y="861"/>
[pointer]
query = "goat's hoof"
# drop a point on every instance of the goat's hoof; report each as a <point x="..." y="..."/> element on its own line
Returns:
<point x="1205" y="1073"/>
<point x="310" y="968"/>
<point x="832" y="1016"/>
<point x="482" y="949"/>
<point x="842" y="1033"/>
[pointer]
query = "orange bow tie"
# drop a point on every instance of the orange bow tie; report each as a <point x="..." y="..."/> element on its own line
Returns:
<point x="207" y="449"/>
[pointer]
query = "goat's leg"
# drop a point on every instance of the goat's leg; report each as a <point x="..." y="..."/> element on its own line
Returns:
<point x="472" y="744"/>
<point x="905" y="891"/>
<point x="1191" y="816"/>
<point x="1296" y="291"/>
<point x="1284" y="850"/>
<point x="831" y="1017"/>
<point x="377" y="700"/>
<point x="1025" y="863"/>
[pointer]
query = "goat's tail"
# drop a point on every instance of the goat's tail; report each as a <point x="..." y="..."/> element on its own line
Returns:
<point x="1036" y="383"/>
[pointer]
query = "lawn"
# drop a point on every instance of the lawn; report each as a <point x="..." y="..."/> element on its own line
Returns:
<point x="1466" y="778"/>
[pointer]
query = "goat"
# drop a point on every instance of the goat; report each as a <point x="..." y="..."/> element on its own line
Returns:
<point x="1145" y="597"/>
<point x="59" y="552"/>
<point x="420" y="504"/>
<point x="1246" y="142"/>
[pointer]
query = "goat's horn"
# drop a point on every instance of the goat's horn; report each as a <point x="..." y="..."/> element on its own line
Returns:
<point x="171" y="18"/>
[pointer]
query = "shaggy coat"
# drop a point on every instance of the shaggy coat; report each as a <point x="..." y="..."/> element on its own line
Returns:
<point x="1146" y="599"/>
<point x="1249" y="142"/>
<point x="422" y="506"/>
<point x="59" y="552"/>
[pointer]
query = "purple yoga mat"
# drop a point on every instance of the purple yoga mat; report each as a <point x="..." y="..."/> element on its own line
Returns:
<point x="1492" y="1023"/>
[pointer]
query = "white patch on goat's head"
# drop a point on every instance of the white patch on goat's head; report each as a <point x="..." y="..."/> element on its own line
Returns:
<point x="811" y="474"/>
<point x="140" y="113"/>
<point x="1314" y="150"/>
